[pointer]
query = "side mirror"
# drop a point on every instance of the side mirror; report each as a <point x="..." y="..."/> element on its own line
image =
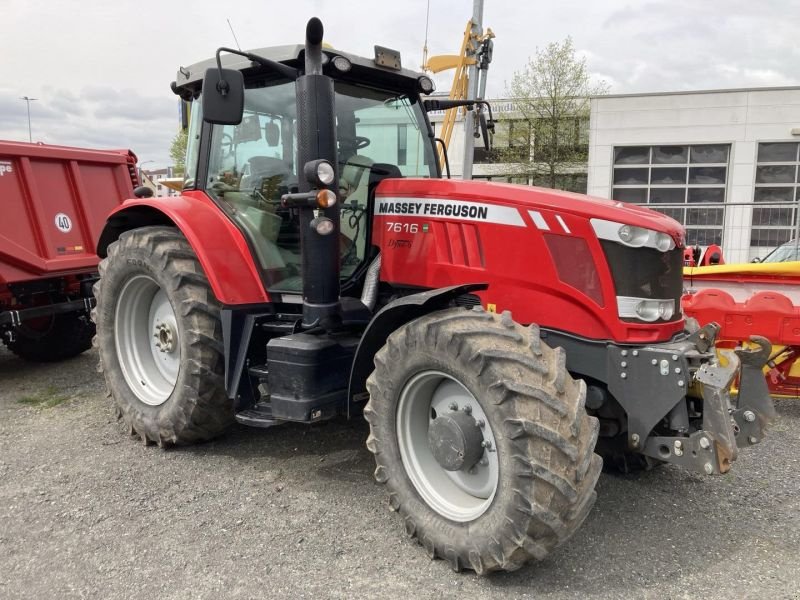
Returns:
<point x="487" y="144"/>
<point x="223" y="96"/>
<point x="756" y="260"/>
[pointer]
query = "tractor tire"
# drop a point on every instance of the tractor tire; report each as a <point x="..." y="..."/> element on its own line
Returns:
<point x="535" y="429"/>
<point x="63" y="336"/>
<point x="159" y="338"/>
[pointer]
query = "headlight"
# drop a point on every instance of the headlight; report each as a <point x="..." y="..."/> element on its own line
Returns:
<point x="325" y="173"/>
<point x="323" y="225"/>
<point x="645" y="309"/>
<point x="426" y="85"/>
<point x="664" y="242"/>
<point x="319" y="172"/>
<point x="633" y="236"/>
<point x="342" y="64"/>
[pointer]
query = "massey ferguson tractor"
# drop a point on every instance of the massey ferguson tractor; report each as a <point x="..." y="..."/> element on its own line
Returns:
<point x="499" y="339"/>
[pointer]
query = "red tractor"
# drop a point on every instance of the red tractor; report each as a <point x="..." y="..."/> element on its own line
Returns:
<point x="494" y="336"/>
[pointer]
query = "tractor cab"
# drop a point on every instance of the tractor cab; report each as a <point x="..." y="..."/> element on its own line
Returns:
<point x="381" y="130"/>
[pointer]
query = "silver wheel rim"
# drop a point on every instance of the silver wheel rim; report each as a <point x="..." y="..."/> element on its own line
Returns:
<point x="457" y="495"/>
<point x="147" y="341"/>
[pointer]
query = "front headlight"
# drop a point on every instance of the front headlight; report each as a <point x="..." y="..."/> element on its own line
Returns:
<point x="633" y="236"/>
<point x="645" y="309"/>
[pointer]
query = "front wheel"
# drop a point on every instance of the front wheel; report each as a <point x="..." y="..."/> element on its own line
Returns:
<point x="160" y="339"/>
<point x="481" y="438"/>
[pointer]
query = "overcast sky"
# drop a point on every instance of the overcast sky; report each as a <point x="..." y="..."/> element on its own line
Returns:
<point x="101" y="70"/>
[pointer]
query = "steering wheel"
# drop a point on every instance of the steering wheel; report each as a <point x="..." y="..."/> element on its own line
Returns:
<point x="361" y="142"/>
<point x="226" y="145"/>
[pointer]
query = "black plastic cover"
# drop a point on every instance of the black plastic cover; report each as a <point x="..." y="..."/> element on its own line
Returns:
<point x="308" y="375"/>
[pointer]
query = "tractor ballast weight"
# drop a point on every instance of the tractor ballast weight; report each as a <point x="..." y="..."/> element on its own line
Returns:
<point x="494" y="336"/>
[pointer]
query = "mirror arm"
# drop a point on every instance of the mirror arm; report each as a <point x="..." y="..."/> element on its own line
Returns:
<point x="446" y="159"/>
<point x="446" y="104"/>
<point x="222" y="85"/>
<point x="287" y="72"/>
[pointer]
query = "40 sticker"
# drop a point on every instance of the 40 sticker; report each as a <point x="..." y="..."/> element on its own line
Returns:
<point x="63" y="223"/>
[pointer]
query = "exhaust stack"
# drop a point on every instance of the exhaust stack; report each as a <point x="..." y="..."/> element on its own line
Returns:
<point x="316" y="139"/>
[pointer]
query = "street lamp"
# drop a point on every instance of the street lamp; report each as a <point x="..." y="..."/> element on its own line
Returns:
<point x="28" y="101"/>
<point x="141" y="170"/>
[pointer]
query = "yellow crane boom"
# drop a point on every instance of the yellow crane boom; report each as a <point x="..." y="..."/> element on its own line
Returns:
<point x="470" y="46"/>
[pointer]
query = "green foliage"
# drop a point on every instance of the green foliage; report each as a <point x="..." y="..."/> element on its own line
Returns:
<point x="177" y="151"/>
<point x="549" y="140"/>
<point x="47" y="398"/>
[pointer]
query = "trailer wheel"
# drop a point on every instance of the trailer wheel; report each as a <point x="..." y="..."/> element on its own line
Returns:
<point x="59" y="337"/>
<point x="482" y="439"/>
<point x="160" y="339"/>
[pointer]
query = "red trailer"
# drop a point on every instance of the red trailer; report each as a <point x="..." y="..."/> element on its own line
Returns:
<point x="54" y="203"/>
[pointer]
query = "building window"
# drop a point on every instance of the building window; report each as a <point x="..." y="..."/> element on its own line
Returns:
<point x="684" y="182"/>
<point x="777" y="190"/>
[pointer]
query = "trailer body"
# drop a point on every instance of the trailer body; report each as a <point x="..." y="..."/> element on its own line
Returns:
<point x="54" y="204"/>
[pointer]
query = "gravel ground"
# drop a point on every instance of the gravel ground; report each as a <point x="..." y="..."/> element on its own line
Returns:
<point x="87" y="512"/>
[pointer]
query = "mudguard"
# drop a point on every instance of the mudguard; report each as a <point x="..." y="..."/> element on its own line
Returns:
<point x="220" y="247"/>
<point x="389" y="318"/>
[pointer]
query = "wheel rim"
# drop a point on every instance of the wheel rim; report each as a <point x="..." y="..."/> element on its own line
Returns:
<point x="147" y="340"/>
<point x="461" y="495"/>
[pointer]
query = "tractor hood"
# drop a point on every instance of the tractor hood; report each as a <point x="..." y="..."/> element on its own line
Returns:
<point x="528" y="198"/>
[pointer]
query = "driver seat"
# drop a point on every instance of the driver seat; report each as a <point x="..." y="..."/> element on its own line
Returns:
<point x="260" y="168"/>
<point x="355" y="178"/>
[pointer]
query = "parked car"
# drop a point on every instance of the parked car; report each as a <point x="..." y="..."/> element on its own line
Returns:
<point x="788" y="252"/>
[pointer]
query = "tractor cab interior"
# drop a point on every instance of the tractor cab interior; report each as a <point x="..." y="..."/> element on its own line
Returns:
<point x="253" y="163"/>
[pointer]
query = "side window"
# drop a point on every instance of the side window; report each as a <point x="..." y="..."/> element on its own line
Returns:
<point x="394" y="136"/>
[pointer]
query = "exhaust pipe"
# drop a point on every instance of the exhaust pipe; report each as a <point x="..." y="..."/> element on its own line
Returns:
<point x="316" y="139"/>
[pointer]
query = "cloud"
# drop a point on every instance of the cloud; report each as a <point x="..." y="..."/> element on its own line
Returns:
<point x="102" y="70"/>
<point x="97" y="117"/>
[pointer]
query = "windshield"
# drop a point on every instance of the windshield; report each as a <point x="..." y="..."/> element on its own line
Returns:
<point x="785" y="253"/>
<point x="252" y="164"/>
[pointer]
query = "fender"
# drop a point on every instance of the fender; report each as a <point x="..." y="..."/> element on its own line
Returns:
<point x="390" y="317"/>
<point x="219" y="245"/>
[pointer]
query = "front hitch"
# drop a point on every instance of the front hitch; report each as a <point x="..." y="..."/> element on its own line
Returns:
<point x="754" y="407"/>
<point x="727" y="424"/>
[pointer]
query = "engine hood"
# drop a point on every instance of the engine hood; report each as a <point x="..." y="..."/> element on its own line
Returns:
<point x="533" y="198"/>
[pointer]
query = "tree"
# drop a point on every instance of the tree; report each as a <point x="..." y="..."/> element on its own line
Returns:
<point x="177" y="151"/>
<point x="551" y="97"/>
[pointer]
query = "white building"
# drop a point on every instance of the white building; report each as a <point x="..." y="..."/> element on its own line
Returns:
<point x="154" y="179"/>
<point x="723" y="162"/>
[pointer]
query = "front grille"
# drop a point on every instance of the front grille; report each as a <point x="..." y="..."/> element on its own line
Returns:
<point x="646" y="272"/>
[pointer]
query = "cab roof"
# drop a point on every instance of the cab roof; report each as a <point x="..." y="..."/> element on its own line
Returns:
<point x="363" y="69"/>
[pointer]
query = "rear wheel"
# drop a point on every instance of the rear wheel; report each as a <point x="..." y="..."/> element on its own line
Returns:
<point x="160" y="339"/>
<point x="481" y="438"/>
<point x="53" y="338"/>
